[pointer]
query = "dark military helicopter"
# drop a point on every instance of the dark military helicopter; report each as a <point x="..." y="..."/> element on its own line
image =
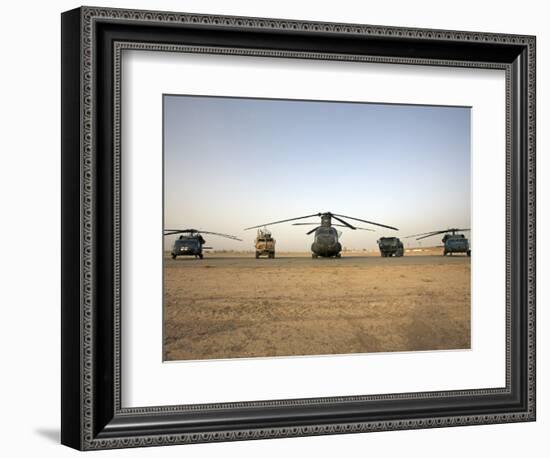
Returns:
<point x="190" y="242"/>
<point x="325" y="242"/>
<point x="452" y="242"/>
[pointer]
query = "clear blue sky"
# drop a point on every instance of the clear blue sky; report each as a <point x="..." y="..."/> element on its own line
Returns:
<point x="231" y="163"/>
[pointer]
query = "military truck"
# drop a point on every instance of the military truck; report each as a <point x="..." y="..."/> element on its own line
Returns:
<point x="390" y="246"/>
<point x="265" y="244"/>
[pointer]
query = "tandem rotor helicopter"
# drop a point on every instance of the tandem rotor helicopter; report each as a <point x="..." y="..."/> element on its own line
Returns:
<point x="453" y="242"/>
<point x="325" y="242"/>
<point x="191" y="241"/>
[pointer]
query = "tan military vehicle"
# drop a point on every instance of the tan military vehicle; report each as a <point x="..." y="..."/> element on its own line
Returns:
<point x="265" y="244"/>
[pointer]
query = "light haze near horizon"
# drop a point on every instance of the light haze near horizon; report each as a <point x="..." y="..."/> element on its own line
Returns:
<point x="231" y="163"/>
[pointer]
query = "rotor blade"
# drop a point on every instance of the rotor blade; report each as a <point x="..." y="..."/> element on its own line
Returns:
<point x="178" y="231"/>
<point x="196" y="231"/>
<point x="282" y="221"/>
<point x="227" y="236"/>
<point x="313" y="230"/>
<point x="359" y="228"/>
<point x="339" y="225"/>
<point x="430" y="235"/>
<point x="427" y="234"/>
<point x="344" y="222"/>
<point x="368" y="222"/>
<point x="365" y="229"/>
<point x="454" y="229"/>
<point x="443" y="232"/>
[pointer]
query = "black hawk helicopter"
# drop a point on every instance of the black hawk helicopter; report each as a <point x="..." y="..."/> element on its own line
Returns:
<point x="190" y="242"/>
<point x="325" y="242"/>
<point x="452" y="242"/>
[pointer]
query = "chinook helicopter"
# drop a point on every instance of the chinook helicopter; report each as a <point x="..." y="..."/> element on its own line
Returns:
<point x="452" y="242"/>
<point x="325" y="242"/>
<point x="191" y="241"/>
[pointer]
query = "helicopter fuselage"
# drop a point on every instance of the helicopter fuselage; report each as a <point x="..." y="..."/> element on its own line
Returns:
<point x="187" y="246"/>
<point x="326" y="242"/>
<point x="455" y="243"/>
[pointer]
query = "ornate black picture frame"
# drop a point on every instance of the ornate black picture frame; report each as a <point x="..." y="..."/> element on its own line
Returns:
<point x="92" y="415"/>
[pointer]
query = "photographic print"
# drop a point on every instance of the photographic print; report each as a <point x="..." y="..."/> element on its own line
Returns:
<point x="296" y="227"/>
<point x="306" y="227"/>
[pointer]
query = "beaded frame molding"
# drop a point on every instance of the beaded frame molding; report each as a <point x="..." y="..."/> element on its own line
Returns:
<point x="92" y="42"/>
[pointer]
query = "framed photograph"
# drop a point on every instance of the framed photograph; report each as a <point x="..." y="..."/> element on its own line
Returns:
<point x="276" y="228"/>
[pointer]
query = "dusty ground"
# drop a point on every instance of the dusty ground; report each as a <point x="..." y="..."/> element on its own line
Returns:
<point x="228" y="307"/>
<point x="355" y="253"/>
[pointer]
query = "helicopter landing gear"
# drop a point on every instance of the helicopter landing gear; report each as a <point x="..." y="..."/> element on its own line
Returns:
<point x="174" y="256"/>
<point x="444" y="253"/>
<point x="201" y="256"/>
<point x="314" y="256"/>
<point x="469" y="253"/>
<point x="339" y="255"/>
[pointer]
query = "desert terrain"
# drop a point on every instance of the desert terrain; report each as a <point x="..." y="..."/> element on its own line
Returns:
<point x="230" y="305"/>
